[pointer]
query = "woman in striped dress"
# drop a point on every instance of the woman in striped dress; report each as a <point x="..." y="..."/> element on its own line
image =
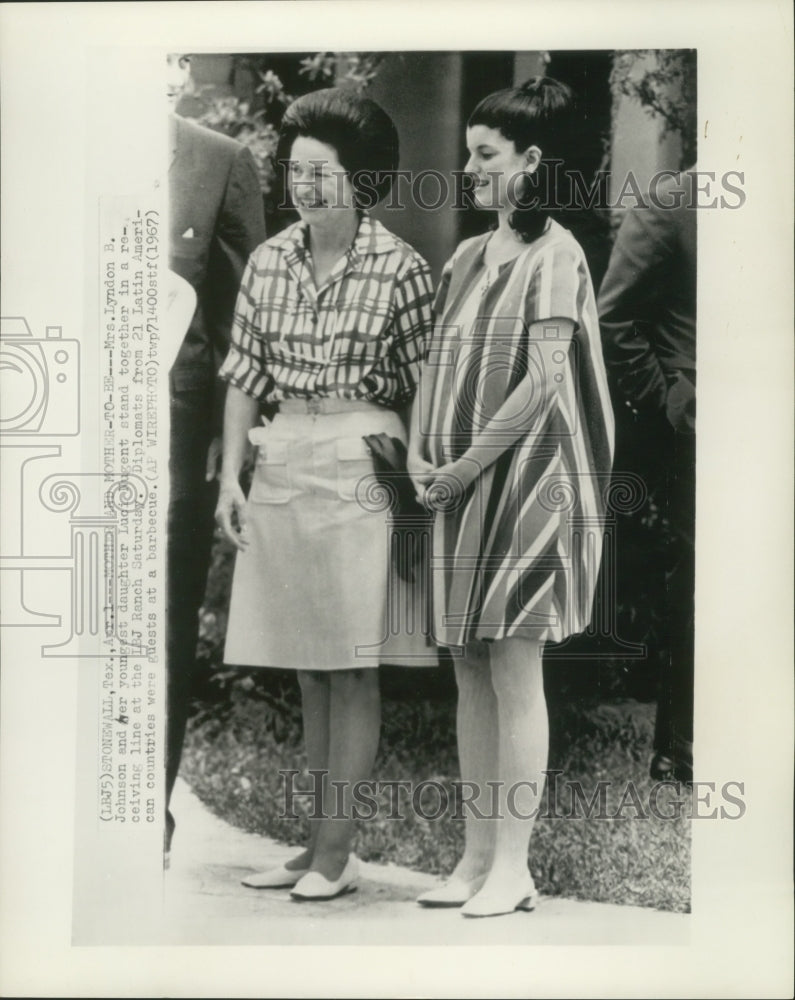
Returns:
<point x="512" y="443"/>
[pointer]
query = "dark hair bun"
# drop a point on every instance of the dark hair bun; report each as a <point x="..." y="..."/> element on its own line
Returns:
<point x="541" y="113"/>
<point x="361" y="132"/>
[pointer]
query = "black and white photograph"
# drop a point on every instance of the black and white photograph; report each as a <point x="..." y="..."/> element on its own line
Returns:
<point x="503" y="413"/>
<point x="393" y="514"/>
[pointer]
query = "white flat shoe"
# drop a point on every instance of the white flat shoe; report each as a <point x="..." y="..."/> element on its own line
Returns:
<point x="274" y="878"/>
<point x="316" y="886"/>
<point x="485" y="904"/>
<point x="454" y="892"/>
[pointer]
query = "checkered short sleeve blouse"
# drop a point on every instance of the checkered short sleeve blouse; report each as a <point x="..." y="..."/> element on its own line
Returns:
<point x="362" y="335"/>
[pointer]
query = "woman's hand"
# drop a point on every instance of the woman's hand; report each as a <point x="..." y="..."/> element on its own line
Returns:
<point x="420" y="471"/>
<point x="230" y="513"/>
<point x="446" y="485"/>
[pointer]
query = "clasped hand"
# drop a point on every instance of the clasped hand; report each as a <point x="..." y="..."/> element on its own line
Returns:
<point x="440" y="487"/>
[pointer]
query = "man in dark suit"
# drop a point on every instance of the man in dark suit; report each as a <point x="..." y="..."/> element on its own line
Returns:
<point x="217" y="219"/>
<point x="647" y="310"/>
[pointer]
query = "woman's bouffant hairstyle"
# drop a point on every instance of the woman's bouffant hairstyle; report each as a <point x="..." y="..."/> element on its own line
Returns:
<point x="361" y="132"/>
<point x="539" y="113"/>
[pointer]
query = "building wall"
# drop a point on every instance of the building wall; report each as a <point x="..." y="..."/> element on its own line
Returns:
<point x="527" y="64"/>
<point x="421" y="91"/>
<point x="638" y="144"/>
<point x="213" y="72"/>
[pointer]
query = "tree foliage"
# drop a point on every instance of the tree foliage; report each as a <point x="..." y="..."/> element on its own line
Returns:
<point x="254" y="120"/>
<point x="664" y="81"/>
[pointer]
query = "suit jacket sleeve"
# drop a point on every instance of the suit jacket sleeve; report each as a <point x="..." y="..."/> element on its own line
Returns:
<point x="634" y="281"/>
<point x="240" y="229"/>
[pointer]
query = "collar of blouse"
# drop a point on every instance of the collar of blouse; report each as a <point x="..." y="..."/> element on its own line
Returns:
<point x="371" y="238"/>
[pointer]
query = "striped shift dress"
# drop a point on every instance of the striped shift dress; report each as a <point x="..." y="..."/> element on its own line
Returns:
<point x="518" y="554"/>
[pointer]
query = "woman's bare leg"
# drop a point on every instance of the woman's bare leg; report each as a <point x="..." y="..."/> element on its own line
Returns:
<point x="315" y="700"/>
<point x="476" y="725"/>
<point x="523" y="743"/>
<point x="354" y="728"/>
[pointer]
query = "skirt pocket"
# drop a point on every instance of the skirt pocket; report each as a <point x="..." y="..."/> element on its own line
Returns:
<point x="354" y="463"/>
<point x="271" y="482"/>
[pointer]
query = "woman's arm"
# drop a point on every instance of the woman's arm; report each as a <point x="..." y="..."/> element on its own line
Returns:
<point x="511" y="421"/>
<point x="420" y="470"/>
<point x="240" y="414"/>
<point x="412" y="328"/>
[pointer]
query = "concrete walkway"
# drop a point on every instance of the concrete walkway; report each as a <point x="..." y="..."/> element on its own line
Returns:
<point x="206" y="904"/>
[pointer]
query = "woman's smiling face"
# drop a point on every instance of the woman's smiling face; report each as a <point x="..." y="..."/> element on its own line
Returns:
<point x="497" y="167"/>
<point x="317" y="181"/>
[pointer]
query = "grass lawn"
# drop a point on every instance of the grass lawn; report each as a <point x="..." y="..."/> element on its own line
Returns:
<point x="236" y="747"/>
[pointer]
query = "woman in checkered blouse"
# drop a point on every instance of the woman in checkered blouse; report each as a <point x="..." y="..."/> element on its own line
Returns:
<point x="330" y="324"/>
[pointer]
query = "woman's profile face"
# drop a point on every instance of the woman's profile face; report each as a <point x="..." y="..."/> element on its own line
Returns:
<point x="318" y="183"/>
<point x="497" y="167"/>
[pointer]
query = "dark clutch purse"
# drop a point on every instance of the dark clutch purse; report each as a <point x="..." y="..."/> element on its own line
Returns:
<point x="409" y="517"/>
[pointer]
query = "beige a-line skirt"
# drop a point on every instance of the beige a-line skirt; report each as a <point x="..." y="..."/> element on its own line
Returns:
<point x="314" y="589"/>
